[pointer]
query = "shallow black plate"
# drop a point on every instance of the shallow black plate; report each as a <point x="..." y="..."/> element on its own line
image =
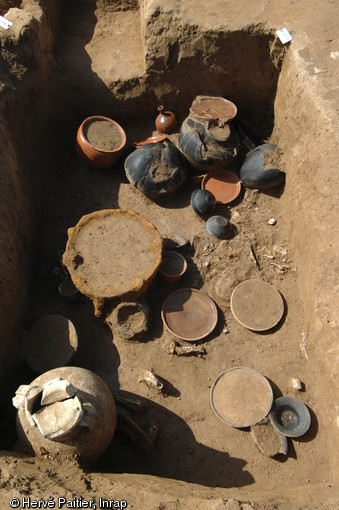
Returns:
<point x="290" y="417"/>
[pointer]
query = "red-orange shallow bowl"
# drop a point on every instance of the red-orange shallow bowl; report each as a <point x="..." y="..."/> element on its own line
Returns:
<point x="223" y="184"/>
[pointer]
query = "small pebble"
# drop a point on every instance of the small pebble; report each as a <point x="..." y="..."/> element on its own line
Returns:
<point x="181" y="240"/>
<point x="272" y="221"/>
<point x="296" y="384"/>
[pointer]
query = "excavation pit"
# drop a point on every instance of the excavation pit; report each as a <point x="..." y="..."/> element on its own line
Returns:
<point x="68" y="63"/>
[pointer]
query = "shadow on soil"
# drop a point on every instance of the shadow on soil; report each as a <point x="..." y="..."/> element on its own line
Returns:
<point x="196" y="462"/>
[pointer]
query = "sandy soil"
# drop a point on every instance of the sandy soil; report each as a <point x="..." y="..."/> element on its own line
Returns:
<point x="192" y="445"/>
<point x="190" y="434"/>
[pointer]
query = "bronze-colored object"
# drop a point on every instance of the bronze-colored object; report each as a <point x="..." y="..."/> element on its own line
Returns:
<point x="165" y="121"/>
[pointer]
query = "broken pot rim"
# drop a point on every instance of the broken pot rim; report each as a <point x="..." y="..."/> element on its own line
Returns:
<point x="205" y="116"/>
<point x="63" y="361"/>
<point x="66" y="295"/>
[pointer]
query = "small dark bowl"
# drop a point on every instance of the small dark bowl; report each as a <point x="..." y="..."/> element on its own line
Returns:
<point x="173" y="266"/>
<point x="68" y="290"/>
<point x="218" y="226"/>
<point x="202" y="202"/>
<point x="290" y="417"/>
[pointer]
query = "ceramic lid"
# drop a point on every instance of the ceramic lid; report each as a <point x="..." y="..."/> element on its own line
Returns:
<point x="241" y="397"/>
<point x="257" y="305"/>
<point x="151" y="139"/>
<point x="189" y="314"/>
<point x="112" y="253"/>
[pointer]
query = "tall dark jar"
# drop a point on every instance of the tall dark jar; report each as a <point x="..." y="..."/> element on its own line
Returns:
<point x="207" y="138"/>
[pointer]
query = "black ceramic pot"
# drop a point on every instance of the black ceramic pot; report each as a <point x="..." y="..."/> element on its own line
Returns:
<point x="156" y="169"/>
<point x="253" y="173"/>
<point x="202" y="201"/>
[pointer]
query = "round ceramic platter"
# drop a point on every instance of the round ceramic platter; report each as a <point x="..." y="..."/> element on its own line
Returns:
<point x="50" y="343"/>
<point x="257" y="305"/>
<point x="224" y="185"/>
<point x="214" y="108"/>
<point x="112" y="253"/>
<point x="241" y="397"/>
<point x="189" y="314"/>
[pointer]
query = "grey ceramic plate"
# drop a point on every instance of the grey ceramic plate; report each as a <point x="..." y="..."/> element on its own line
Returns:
<point x="290" y="417"/>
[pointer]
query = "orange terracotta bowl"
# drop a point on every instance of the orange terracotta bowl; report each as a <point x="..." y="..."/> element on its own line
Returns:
<point x="96" y="156"/>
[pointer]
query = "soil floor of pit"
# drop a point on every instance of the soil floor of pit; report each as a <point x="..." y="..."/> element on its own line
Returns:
<point x="193" y="445"/>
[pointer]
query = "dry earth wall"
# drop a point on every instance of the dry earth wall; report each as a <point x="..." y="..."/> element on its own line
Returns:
<point x="184" y="60"/>
<point x="26" y="61"/>
<point x="306" y="129"/>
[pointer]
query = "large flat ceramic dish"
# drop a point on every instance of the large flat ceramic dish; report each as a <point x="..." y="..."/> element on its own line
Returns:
<point x="189" y="314"/>
<point x="257" y="305"/>
<point x="112" y="253"/>
<point x="224" y="185"/>
<point x="241" y="397"/>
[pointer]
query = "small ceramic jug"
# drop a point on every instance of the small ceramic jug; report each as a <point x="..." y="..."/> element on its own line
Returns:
<point x="165" y="121"/>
